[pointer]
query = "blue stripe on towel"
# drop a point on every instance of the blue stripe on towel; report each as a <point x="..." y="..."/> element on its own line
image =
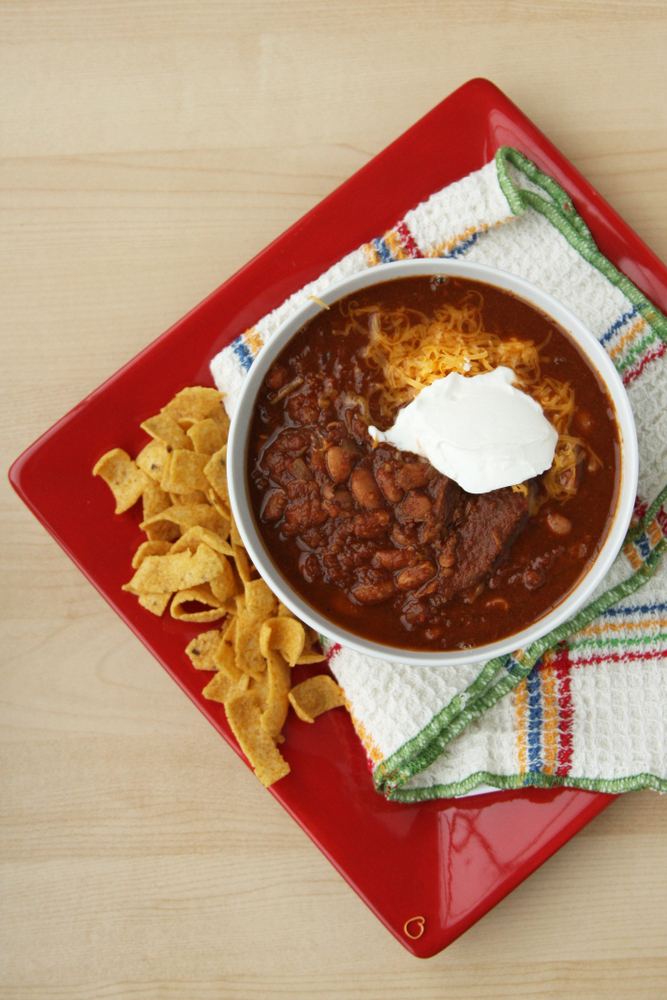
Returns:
<point x="242" y="352"/>
<point x="534" y="728"/>
<point x="386" y="256"/>
<point x="640" y="609"/>
<point x="462" y="248"/>
<point x="617" y="325"/>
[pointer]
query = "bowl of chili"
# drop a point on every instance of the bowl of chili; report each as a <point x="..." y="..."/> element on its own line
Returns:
<point x="375" y="547"/>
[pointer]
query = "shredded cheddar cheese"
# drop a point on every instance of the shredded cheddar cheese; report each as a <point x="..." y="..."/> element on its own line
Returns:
<point x="412" y="350"/>
<point x="319" y="301"/>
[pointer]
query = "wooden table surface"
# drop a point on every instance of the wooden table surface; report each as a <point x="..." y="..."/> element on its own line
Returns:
<point x="148" y="150"/>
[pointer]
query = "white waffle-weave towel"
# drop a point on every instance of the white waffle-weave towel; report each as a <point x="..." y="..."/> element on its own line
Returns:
<point x="586" y="706"/>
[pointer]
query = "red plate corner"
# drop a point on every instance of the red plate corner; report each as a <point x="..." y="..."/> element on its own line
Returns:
<point x="428" y="870"/>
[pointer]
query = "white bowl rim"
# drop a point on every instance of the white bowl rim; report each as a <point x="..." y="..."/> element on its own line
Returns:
<point x="535" y="296"/>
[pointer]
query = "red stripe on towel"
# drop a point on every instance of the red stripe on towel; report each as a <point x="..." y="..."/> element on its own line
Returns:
<point x="635" y="372"/>
<point x="561" y="665"/>
<point x="649" y="654"/>
<point x="407" y="240"/>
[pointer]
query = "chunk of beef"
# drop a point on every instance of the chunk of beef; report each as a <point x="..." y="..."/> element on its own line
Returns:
<point x="278" y="459"/>
<point x="307" y="513"/>
<point x="491" y="523"/>
<point x="446" y="495"/>
<point x="338" y="502"/>
<point x="302" y="489"/>
<point x="273" y="505"/>
<point x="371" y="524"/>
<point x="303" y="408"/>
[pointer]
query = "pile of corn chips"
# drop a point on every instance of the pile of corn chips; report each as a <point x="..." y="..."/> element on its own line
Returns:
<point x="194" y="561"/>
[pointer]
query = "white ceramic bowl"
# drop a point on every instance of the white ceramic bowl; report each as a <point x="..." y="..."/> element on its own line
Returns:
<point x="597" y="356"/>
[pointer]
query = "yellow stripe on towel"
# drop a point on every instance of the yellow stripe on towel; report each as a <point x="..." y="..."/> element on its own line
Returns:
<point x="254" y="341"/>
<point x="549" y="716"/>
<point x="443" y="248"/>
<point x="647" y="624"/>
<point x="521" y="708"/>
<point x="372" y="255"/>
<point x="636" y="328"/>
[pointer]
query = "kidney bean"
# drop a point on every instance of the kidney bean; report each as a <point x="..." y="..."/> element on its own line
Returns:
<point x="277" y="377"/>
<point x="412" y="476"/>
<point x="415" y="506"/>
<point x="532" y="579"/>
<point x="387" y="483"/>
<point x="392" y="558"/>
<point x="365" y="489"/>
<point x="404" y="534"/>
<point x="472" y="593"/>
<point x="340" y="462"/>
<point x="373" y="593"/>
<point x="447" y="557"/>
<point x="309" y="567"/>
<point x="416" y="576"/>
<point x="273" y="505"/>
<point x="559" y="524"/>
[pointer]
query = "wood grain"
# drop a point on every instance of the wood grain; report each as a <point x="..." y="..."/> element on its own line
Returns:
<point x="148" y="149"/>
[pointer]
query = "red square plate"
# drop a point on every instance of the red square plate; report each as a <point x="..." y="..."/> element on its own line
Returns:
<point x="429" y="870"/>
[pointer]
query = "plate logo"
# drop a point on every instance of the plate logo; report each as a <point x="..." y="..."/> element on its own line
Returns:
<point x="414" y="927"/>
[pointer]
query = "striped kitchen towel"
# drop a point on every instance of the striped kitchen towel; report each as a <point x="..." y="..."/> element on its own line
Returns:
<point x="586" y="706"/>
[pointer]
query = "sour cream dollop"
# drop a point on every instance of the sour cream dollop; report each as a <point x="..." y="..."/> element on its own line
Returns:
<point x="480" y="431"/>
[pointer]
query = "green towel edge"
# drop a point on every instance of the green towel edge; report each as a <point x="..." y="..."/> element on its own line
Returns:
<point x="506" y="782"/>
